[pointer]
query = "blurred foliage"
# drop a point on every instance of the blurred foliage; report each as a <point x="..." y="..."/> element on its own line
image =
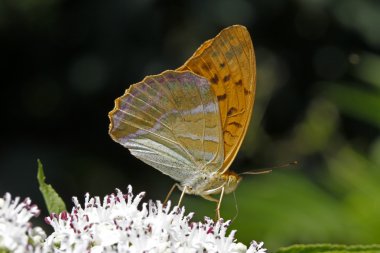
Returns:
<point x="330" y="248"/>
<point x="318" y="102"/>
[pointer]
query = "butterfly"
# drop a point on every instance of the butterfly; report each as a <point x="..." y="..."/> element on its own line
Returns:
<point x="189" y="123"/>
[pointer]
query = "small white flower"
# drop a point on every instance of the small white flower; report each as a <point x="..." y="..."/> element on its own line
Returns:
<point x="118" y="224"/>
<point x="256" y="247"/>
<point x="16" y="233"/>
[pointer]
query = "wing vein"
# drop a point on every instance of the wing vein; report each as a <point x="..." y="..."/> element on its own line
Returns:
<point x="170" y="95"/>
<point x="145" y="113"/>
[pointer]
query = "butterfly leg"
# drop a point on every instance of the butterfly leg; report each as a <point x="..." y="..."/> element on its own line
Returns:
<point x="182" y="194"/>
<point x="219" y="204"/>
<point x="219" y="201"/>
<point x="170" y="193"/>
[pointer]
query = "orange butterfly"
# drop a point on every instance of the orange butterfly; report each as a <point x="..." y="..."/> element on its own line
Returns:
<point x="189" y="123"/>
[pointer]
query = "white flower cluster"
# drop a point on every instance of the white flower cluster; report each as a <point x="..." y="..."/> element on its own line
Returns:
<point x="117" y="224"/>
<point x="16" y="233"/>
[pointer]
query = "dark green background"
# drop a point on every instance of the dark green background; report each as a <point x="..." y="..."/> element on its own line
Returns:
<point x="318" y="101"/>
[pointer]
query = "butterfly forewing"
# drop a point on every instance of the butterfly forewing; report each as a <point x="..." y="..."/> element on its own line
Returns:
<point x="170" y="121"/>
<point x="228" y="62"/>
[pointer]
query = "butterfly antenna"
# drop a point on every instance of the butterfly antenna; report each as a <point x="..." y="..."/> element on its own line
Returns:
<point x="236" y="207"/>
<point x="269" y="170"/>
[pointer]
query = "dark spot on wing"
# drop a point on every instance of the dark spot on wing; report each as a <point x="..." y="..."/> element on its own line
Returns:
<point x="222" y="97"/>
<point x="214" y="79"/>
<point x="229" y="133"/>
<point x="222" y="65"/>
<point x="205" y="66"/>
<point x="240" y="82"/>
<point x="246" y="92"/>
<point x="231" y="111"/>
<point x="226" y="78"/>
<point x="237" y="124"/>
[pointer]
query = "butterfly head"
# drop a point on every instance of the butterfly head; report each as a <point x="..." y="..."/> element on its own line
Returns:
<point x="231" y="180"/>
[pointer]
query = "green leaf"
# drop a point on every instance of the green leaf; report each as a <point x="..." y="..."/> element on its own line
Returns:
<point x="330" y="248"/>
<point x="4" y="250"/>
<point x="53" y="201"/>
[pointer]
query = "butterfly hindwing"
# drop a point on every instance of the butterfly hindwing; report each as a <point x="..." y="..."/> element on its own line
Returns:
<point x="170" y="121"/>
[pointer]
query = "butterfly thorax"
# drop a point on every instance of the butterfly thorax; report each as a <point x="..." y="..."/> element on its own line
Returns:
<point x="212" y="184"/>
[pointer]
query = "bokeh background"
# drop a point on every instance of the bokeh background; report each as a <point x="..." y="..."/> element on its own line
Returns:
<point x="318" y="102"/>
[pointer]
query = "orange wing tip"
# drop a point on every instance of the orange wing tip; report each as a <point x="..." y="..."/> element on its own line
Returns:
<point x="209" y="43"/>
